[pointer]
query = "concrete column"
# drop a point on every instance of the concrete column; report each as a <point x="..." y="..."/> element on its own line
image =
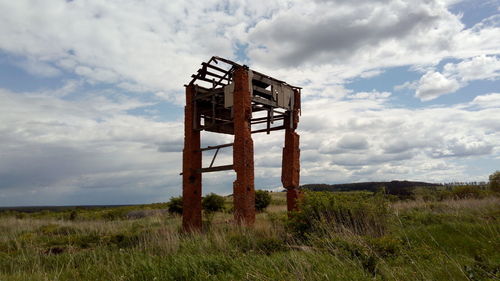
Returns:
<point x="243" y="186"/>
<point x="191" y="162"/>
<point x="290" y="172"/>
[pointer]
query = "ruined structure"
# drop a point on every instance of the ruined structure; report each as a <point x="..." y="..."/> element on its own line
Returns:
<point x="228" y="98"/>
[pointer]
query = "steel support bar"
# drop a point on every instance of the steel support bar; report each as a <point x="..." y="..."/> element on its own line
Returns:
<point x="216" y="169"/>
<point x="213" y="159"/>
<point x="210" y="147"/>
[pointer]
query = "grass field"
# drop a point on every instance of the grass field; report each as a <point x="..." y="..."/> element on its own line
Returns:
<point x="438" y="240"/>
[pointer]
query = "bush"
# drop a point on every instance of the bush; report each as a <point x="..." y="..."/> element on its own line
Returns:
<point x="495" y="181"/>
<point x="262" y="200"/>
<point x="175" y="205"/>
<point x="114" y="214"/>
<point x="466" y="191"/>
<point x="213" y="203"/>
<point x="360" y="213"/>
<point x="73" y="215"/>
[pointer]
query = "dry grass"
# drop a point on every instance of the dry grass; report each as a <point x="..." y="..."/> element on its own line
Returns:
<point x="449" y="204"/>
<point x="225" y="251"/>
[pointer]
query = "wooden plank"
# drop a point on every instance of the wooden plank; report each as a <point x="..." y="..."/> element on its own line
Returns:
<point x="202" y="89"/>
<point x="225" y="121"/>
<point x="276" y="117"/>
<point x="267" y="120"/>
<point x="262" y="90"/>
<point x="268" y="130"/>
<point x="270" y="119"/>
<point x="197" y="77"/>
<point x="217" y="76"/>
<point x="264" y="101"/>
<point x="214" y="67"/>
<point x="259" y="77"/>
<point x="225" y="60"/>
<point x="209" y="94"/>
<point x="216" y="169"/>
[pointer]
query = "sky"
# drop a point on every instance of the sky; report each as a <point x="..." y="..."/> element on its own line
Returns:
<point x="92" y="95"/>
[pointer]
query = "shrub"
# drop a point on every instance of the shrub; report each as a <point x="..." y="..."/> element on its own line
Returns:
<point x="360" y="213"/>
<point x="213" y="203"/>
<point x="175" y="205"/>
<point x="262" y="200"/>
<point x="495" y="181"/>
<point x="73" y="215"/>
<point x="466" y="191"/>
<point x="114" y="214"/>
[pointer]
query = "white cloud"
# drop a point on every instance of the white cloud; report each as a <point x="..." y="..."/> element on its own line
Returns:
<point x="434" y="84"/>
<point x="156" y="45"/>
<point x="454" y="76"/>
<point x="374" y="95"/>
<point x="60" y="144"/>
<point x="50" y="144"/>
<point x="396" y="139"/>
<point x="38" y="68"/>
<point x="477" y="68"/>
<point x="489" y="100"/>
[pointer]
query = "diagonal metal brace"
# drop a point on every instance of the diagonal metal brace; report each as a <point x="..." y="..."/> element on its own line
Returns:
<point x="213" y="159"/>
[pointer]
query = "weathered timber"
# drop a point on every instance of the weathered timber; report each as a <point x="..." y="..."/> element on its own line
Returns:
<point x="270" y="129"/>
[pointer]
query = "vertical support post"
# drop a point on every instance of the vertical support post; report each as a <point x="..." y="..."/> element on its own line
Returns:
<point x="290" y="172"/>
<point x="243" y="186"/>
<point x="191" y="163"/>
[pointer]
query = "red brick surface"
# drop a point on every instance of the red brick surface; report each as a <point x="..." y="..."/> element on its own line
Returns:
<point x="243" y="186"/>
<point x="191" y="161"/>
<point x="243" y="158"/>
<point x="290" y="172"/>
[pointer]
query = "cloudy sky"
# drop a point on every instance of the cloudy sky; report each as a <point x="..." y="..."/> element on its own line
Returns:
<point x="91" y="92"/>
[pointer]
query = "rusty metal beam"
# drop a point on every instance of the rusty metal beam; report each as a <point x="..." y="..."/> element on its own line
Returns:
<point x="210" y="147"/>
<point x="215" y="169"/>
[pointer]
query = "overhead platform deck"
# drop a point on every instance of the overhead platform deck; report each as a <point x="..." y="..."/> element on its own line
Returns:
<point x="272" y="99"/>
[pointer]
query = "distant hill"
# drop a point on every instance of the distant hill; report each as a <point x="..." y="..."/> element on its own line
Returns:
<point x="400" y="188"/>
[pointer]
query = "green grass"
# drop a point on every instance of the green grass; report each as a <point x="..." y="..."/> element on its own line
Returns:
<point x="446" y="240"/>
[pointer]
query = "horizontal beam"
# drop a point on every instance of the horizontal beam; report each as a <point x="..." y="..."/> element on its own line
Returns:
<point x="214" y="67"/>
<point x="216" y="91"/>
<point x="262" y="90"/>
<point x="265" y="121"/>
<point x="214" y="75"/>
<point x="264" y="101"/>
<point x="198" y="77"/>
<point x="265" y="118"/>
<point x="210" y="147"/>
<point x="267" y="130"/>
<point x="215" y="169"/>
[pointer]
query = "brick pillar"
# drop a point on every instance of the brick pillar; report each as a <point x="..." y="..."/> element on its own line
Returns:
<point x="290" y="172"/>
<point x="243" y="186"/>
<point x="191" y="162"/>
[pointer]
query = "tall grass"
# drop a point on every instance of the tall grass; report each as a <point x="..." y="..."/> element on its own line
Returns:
<point x="359" y="213"/>
<point x="449" y="240"/>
